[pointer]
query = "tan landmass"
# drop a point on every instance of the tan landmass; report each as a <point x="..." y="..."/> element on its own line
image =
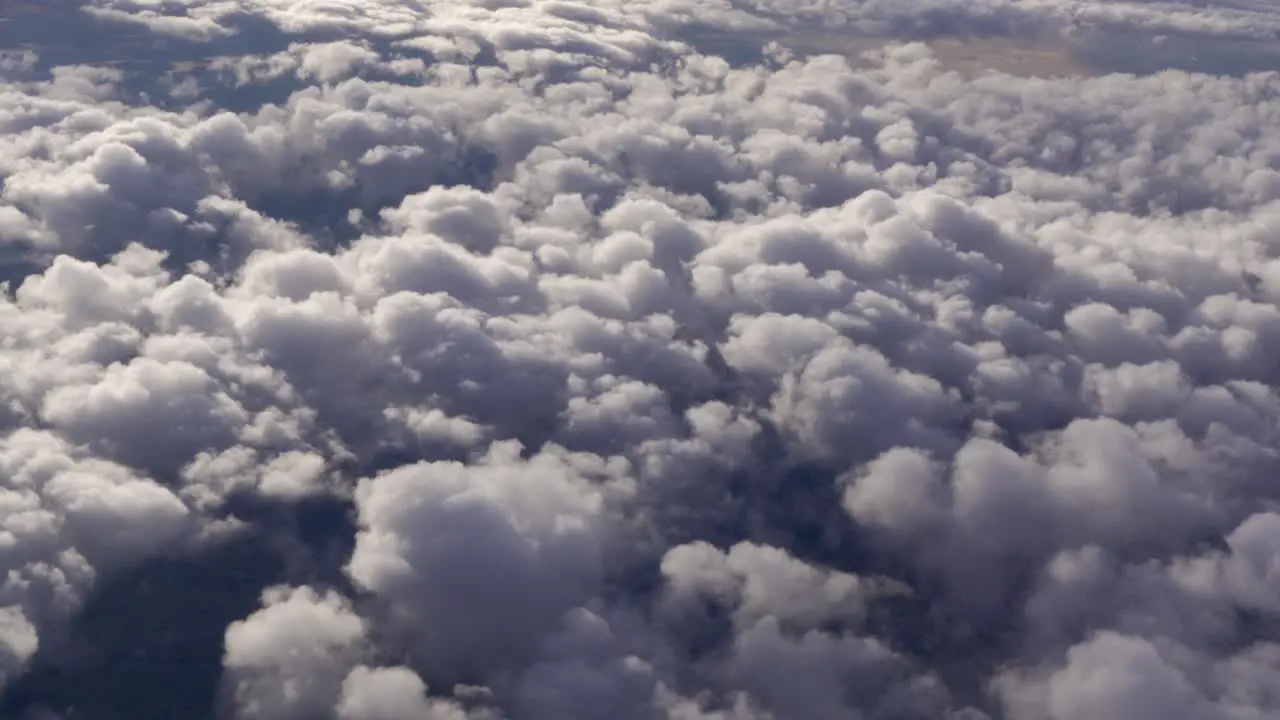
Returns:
<point x="973" y="56"/>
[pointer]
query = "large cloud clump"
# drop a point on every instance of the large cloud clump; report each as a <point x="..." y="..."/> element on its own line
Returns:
<point x="657" y="385"/>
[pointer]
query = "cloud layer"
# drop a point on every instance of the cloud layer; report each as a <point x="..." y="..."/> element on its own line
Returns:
<point x="656" y="384"/>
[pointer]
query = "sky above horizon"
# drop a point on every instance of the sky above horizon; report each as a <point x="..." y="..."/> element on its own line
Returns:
<point x="644" y="360"/>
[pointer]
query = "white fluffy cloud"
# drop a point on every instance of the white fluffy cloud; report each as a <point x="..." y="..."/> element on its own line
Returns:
<point x="656" y="384"/>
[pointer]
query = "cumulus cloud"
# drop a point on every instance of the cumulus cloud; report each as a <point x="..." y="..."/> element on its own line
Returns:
<point x="643" y="381"/>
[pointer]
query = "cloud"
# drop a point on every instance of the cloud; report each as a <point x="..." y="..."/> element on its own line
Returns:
<point x="69" y="516"/>
<point x="288" y="657"/>
<point x="643" y="382"/>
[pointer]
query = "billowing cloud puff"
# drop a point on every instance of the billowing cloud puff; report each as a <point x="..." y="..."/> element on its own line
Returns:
<point x="575" y="362"/>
